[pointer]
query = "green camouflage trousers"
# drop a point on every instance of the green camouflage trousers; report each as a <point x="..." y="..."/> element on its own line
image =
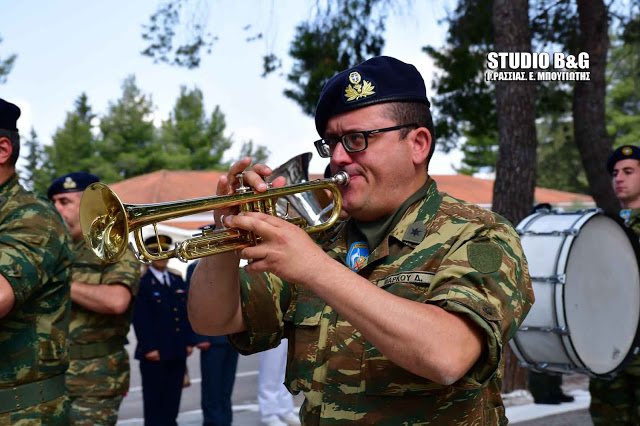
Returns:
<point x="617" y="402"/>
<point x="98" y="411"/>
<point x="50" y="413"/>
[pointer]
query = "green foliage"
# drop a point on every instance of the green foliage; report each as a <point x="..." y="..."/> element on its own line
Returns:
<point x="160" y="34"/>
<point x="346" y="33"/>
<point x="128" y="141"/>
<point x="189" y="140"/>
<point x="37" y="174"/>
<point x="73" y="147"/>
<point x="258" y="154"/>
<point x="5" y="66"/>
<point x="623" y="94"/>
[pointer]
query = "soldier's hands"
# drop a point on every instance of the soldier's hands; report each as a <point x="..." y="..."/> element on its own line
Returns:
<point x="285" y="250"/>
<point x="152" y="356"/>
<point x="253" y="178"/>
<point x="203" y="346"/>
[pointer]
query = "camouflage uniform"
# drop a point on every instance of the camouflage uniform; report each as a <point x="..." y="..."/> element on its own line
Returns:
<point x="442" y="251"/>
<point x="98" y="375"/>
<point x="617" y="401"/>
<point x="35" y="257"/>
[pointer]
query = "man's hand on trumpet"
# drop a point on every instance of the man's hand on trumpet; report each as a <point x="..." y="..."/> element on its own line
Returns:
<point x="254" y="178"/>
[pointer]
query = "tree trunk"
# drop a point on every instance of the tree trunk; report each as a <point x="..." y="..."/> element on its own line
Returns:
<point x="588" y="104"/>
<point x="516" y="166"/>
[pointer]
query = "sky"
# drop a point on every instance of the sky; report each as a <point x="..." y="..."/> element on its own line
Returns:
<point x="68" y="47"/>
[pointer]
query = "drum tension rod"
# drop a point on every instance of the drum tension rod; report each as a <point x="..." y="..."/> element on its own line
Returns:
<point x="554" y="279"/>
<point x="562" y="331"/>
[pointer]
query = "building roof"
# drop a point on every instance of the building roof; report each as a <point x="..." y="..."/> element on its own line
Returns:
<point x="172" y="185"/>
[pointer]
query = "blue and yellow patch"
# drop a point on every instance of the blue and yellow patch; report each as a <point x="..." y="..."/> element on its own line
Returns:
<point x="357" y="255"/>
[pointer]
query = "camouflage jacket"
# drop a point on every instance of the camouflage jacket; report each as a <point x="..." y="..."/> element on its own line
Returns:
<point x="35" y="257"/>
<point x="469" y="261"/>
<point x="109" y="375"/>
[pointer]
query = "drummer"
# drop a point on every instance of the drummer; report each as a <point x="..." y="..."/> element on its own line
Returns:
<point x="617" y="401"/>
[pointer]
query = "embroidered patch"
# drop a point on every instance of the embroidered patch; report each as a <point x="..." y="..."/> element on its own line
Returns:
<point x="358" y="88"/>
<point x="418" y="278"/>
<point x="415" y="233"/>
<point x="357" y="255"/>
<point x="484" y="257"/>
<point x="625" y="214"/>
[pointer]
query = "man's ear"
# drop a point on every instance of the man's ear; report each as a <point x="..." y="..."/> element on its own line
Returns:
<point x="6" y="149"/>
<point x="421" y="145"/>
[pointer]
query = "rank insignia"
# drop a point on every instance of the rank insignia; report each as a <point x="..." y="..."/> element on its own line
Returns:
<point x="415" y="233"/>
<point x="357" y="255"/>
<point x="69" y="183"/>
<point x="358" y="88"/>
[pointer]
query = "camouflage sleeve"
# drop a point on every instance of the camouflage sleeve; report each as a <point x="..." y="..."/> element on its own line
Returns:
<point x="125" y="272"/>
<point x="265" y="299"/>
<point x="33" y="241"/>
<point x="485" y="276"/>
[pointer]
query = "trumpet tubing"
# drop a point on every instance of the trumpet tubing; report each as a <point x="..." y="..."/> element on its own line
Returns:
<point x="106" y="221"/>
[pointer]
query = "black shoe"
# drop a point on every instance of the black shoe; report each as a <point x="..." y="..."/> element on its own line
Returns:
<point x="548" y="400"/>
<point x="564" y="398"/>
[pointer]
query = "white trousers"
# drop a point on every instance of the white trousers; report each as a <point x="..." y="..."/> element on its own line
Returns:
<point x="273" y="397"/>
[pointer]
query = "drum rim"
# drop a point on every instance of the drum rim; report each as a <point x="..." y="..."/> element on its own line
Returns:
<point x="635" y="345"/>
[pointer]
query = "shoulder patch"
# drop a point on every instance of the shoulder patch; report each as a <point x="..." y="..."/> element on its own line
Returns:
<point x="484" y="257"/>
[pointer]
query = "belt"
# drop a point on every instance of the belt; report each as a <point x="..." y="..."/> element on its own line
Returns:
<point x="95" y="350"/>
<point x="23" y="396"/>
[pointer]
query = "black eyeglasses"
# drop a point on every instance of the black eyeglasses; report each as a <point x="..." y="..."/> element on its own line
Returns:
<point x="352" y="142"/>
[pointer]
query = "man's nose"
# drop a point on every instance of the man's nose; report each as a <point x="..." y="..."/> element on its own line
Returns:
<point x="340" y="155"/>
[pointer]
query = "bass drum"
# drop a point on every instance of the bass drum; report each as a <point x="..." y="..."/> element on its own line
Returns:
<point x="586" y="280"/>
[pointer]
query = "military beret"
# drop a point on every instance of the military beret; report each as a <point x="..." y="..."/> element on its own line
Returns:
<point x="152" y="243"/>
<point x="625" y="152"/>
<point x="71" y="182"/>
<point x="9" y="114"/>
<point x="379" y="79"/>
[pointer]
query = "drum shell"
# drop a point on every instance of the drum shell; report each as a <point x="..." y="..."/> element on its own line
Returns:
<point x="585" y="276"/>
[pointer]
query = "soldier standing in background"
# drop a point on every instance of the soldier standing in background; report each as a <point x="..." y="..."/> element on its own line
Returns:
<point x="35" y="257"/>
<point x="102" y="294"/>
<point x="617" y="401"/>
<point x="165" y="337"/>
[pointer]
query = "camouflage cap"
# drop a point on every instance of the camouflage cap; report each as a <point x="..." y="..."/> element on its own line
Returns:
<point x="71" y="182"/>
<point x="9" y="114"/>
<point x="625" y="152"/>
<point x="379" y="79"/>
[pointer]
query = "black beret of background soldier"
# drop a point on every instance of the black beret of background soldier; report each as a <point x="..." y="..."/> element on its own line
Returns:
<point x="165" y="338"/>
<point x="71" y="182"/>
<point x="35" y="262"/>
<point x="625" y="152"/>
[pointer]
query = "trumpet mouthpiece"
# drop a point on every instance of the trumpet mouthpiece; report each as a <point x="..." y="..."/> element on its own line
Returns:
<point x="341" y="178"/>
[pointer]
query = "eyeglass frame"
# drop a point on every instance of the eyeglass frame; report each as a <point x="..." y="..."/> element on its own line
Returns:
<point x="366" y="133"/>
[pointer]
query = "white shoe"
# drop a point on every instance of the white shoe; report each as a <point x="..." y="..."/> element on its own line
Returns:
<point x="290" y="419"/>
<point x="273" y="421"/>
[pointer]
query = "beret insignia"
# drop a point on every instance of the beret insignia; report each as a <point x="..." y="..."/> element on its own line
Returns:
<point x="355" y="90"/>
<point x="627" y="150"/>
<point x="69" y="183"/>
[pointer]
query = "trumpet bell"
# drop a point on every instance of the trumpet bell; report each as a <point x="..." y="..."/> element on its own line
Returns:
<point x="103" y="219"/>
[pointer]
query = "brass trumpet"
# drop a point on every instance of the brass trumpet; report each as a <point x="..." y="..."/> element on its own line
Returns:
<point x="106" y="221"/>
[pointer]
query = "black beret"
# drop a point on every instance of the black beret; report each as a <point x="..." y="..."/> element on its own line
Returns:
<point x="152" y="243"/>
<point x="379" y="79"/>
<point x="625" y="152"/>
<point x="9" y="114"/>
<point x="71" y="182"/>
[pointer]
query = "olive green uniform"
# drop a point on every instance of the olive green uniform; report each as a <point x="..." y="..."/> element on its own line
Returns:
<point x="35" y="257"/>
<point x="440" y="251"/>
<point x="98" y="375"/>
<point x="617" y="401"/>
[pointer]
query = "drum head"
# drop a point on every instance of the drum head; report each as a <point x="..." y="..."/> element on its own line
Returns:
<point x="602" y="294"/>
